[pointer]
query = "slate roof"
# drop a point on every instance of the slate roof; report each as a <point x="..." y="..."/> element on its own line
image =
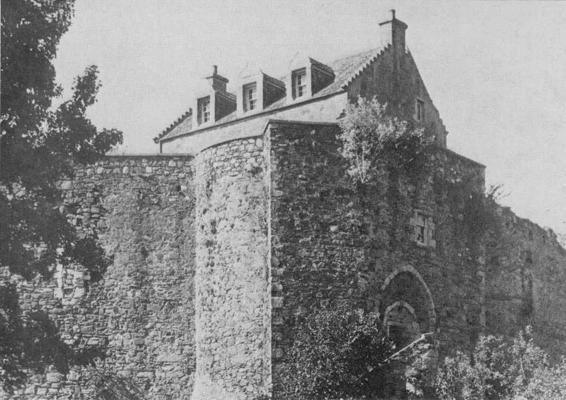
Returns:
<point x="345" y="70"/>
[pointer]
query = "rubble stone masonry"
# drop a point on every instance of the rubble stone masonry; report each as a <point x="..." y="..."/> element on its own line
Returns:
<point x="232" y="280"/>
<point x="140" y="314"/>
<point x="213" y="259"/>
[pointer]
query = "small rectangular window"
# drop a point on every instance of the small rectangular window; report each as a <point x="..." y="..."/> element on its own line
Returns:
<point x="420" y="110"/>
<point x="420" y="228"/>
<point x="204" y="110"/>
<point x="299" y="78"/>
<point x="423" y="229"/>
<point x="250" y="97"/>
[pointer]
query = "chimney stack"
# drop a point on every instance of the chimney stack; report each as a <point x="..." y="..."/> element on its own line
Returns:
<point x="393" y="32"/>
<point x="217" y="82"/>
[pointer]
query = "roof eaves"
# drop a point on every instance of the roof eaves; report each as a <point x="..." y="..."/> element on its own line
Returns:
<point x="259" y="114"/>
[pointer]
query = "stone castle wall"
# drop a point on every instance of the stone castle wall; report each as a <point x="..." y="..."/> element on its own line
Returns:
<point x="233" y="279"/>
<point x="527" y="283"/>
<point x="332" y="242"/>
<point x="213" y="260"/>
<point x="139" y="317"/>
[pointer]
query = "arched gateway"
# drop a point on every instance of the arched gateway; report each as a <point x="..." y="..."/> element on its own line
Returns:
<point x="407" y="305"/>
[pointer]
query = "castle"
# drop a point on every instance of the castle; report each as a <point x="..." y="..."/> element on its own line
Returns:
<point x="246" y="219"/>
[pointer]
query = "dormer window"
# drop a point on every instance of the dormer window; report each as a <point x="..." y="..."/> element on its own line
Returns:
<point x="203" y="110"/>
<point x="306" y="78"/>
<point x="257" y="90"/>
<point x="299" y="78"/>
<point x="250" y="97"/>
<point x="420" y="114"/>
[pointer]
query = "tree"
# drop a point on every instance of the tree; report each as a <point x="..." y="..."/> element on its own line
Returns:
<point x="336" y="353"/>
<point x="38" y="146"/>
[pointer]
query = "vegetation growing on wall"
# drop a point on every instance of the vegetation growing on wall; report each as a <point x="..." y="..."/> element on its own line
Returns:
<point x="379" y="150"/>
<point x="372" y="138"/>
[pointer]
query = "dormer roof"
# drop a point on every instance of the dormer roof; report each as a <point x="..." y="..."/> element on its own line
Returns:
<point x="345" y="70"/>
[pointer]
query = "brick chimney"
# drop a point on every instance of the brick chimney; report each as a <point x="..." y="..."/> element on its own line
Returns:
<point x="217" y="82"/>
<point x="393" y="32"/>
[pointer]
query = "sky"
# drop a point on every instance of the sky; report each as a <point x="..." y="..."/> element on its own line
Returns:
<point x="496" y="70"/>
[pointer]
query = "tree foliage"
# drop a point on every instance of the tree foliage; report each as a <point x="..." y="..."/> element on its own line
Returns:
<point x="336" y="353"/>
<point x="39" y="144"/>
<point x="372" y="137"/>
<point x="502" y="369"/>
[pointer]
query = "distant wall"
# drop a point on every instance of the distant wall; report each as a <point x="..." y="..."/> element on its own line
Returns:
<point x="140" y="315"/>
<point x="233" y="277"/>
<point x="527" y="282"/>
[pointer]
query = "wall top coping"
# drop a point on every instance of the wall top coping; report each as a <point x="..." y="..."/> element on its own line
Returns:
<point x="331" y="123"/>
<point x="461" y="157"/>
<point x="150" y="155"/>
<point x="297" y="122"/>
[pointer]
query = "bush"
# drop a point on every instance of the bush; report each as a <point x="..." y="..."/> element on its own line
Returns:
<point x="337" y="353"/>
<point x="546" y="384"/>
<point x="502" y="369"/>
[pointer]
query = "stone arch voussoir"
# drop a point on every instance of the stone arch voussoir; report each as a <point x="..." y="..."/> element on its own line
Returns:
<point x="431" y="309"/>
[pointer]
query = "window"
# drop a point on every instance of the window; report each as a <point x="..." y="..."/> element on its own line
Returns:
<point x="528" y="257"/>
<point x="422" y="229"/>
<point x="203" y="110"/>
<point x="250" y="97"/>
<point x="299" y="83"/>
<point x="420" y="110"/>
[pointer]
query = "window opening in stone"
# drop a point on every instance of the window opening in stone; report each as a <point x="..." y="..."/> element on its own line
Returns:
<point x="422" y="229"/>
<point x="420" y="110"/>
<point x="528" y="257"/>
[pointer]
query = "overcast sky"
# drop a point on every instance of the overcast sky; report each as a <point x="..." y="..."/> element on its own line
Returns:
<point x="495" y="70"/>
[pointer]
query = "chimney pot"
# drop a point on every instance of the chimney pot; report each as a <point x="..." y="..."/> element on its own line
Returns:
<point x="392" y="11"/>
<point x="214" y="69"/>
